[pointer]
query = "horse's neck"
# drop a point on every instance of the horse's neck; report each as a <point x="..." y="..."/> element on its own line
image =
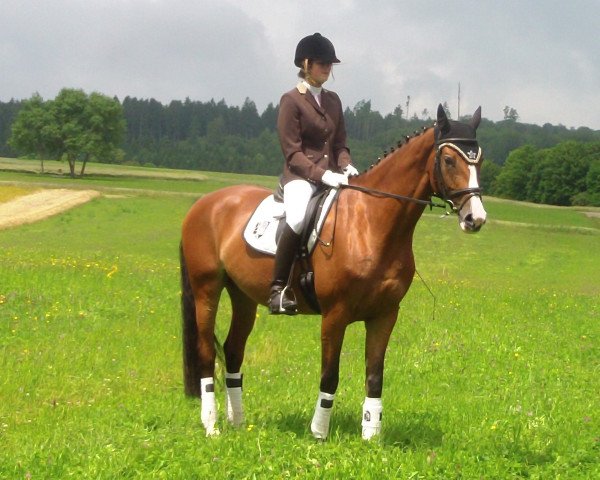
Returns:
<point x="404" y="171"/>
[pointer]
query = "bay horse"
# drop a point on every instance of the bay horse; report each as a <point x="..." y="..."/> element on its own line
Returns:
<point x="361" y="275"/>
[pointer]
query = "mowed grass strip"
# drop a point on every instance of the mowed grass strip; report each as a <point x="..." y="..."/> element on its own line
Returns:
<point x="10" y="192"/>
<point x="498" y="379"/>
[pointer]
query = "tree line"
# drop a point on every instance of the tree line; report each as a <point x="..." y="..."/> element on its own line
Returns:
<point x="566" y="174"/>
<point x="219" y="137"/>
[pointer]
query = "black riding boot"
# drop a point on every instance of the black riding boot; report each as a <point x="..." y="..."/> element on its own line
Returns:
<point x="283" y="299"/>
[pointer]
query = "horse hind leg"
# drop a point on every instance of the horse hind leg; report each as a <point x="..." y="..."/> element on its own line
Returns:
<point x="206" y="308"/>
<point x="200" y="300"/>
<point x="242" y="322"/>
<point x="189" y="330"/>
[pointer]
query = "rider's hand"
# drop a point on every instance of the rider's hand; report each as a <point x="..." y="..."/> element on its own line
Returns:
<point x="350" y="171"/>
<point x="334" y="179"/>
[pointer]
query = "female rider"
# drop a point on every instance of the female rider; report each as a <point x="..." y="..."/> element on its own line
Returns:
<point x="312" y="134"/>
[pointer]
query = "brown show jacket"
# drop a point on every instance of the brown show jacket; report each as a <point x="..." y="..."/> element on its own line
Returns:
<point x="313" y="138"/>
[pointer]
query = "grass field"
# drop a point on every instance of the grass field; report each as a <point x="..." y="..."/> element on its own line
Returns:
<point x="500" y="380"/>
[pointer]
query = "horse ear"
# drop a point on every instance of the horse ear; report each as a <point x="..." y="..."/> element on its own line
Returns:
<point x="476" y="119"/>
<point x="442" y="120"/>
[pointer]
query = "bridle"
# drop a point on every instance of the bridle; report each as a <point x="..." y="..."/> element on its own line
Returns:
<point x="472" y="157"/>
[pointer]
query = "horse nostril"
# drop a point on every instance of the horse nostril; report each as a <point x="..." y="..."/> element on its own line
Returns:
<point x="472" y="224"/>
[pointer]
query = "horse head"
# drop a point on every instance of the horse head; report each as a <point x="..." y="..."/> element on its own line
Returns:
<point x="455" y="174"/>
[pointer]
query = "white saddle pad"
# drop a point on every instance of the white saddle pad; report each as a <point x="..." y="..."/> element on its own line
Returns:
<point x="261" y="230"/>
<point x="262" y="227"/>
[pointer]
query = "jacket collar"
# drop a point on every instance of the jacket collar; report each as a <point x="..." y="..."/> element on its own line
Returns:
<point x="303" y="90"/>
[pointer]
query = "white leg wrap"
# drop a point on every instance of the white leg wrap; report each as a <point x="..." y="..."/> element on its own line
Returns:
<point x="235" y="410"/>
<point x="208" y="406"/>
<point x="320" y="422"/>
<point x="371" y="420"/>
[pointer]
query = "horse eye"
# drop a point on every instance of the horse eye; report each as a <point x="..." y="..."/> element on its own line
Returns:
<point x="449" y="161"/>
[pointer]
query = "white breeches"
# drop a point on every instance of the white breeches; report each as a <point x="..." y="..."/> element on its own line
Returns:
<point x="296" y="195"/>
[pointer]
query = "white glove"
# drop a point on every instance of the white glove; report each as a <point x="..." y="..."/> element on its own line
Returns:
<point x="350" y="171"/>
<point x="334" y="179"/>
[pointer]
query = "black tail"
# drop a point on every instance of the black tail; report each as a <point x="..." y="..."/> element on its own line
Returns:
<point x="191" y="362"/>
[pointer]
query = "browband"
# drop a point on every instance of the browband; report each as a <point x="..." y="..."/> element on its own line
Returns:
<point x="470" y="156"/>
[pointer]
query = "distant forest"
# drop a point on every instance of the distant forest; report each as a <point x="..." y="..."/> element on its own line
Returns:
<point x="217" y="137"/>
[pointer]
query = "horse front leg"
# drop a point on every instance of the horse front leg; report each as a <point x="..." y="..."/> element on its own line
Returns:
<point x="332" y="337"/>
<point x="377" y="337"/>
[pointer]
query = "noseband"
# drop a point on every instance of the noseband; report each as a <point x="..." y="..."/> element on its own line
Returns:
<point x="472" y="156"/>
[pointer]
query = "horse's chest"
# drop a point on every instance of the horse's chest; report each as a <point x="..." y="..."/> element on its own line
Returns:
<point x="389" y="277"/>
<point x="382" y="266"/>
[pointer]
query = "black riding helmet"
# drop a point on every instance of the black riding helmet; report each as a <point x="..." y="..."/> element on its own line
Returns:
<point x="315" y="47"/>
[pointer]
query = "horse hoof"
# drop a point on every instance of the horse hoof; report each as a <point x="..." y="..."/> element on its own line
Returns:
<point x="319" y="432"/>
<point x="236" y="420"/>
<point x="212" y="432"/>
<point x="371" y="433"/>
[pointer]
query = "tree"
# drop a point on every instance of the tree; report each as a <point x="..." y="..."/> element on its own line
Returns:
<point x="8" y="114"/>
<point x="269" y="117"/>
<point x="249" y="119"/>
<point x="592" y="178"/>
<point x="68" y="112"/>
<point x="73" y="126"/>
<point x="487" y="177"/>
<point x="592" y="195"/>
<point x="215" y="132"/>
<point x="362" y="122"/>
<point x="559" y="174"/>
<point x="512" y="181"/>
<point x="398" y="112"/>
<point x="105" y="128"/>
<point x="32" y="130"/>
<point x="510" y="113"/>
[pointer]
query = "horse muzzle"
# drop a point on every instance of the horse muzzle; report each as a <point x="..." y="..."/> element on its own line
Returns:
<point x="472" y="216"/>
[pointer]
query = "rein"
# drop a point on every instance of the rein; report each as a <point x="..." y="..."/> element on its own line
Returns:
<point x="379" y="193"/>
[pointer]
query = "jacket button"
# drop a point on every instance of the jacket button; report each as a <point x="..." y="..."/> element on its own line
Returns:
<point x="325" y="156"/>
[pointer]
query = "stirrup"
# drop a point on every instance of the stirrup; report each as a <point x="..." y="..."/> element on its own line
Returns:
<point x="283" y="300"/>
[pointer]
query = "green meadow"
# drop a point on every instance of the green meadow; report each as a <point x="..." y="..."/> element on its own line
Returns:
<point x="493" y="370"/>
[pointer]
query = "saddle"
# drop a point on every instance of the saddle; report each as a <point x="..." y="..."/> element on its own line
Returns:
<point x="264" y="228"/>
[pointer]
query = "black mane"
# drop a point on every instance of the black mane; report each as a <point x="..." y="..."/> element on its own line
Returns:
<point x="403" y="141"/>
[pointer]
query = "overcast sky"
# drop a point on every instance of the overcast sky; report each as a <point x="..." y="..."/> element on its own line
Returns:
<point x="540" y="57"/>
